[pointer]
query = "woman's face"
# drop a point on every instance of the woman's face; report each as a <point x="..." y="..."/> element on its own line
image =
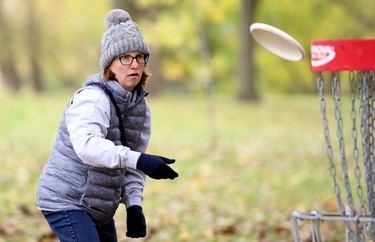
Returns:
<point x="127" y="70"/>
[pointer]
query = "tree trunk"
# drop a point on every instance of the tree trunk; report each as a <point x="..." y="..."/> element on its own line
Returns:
<point x="33" y="45"/>
<point x="10" y="75"/>
<point x="247" y="72"/>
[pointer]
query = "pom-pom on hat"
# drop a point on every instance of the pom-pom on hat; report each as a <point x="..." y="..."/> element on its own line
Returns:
<point x="122" y="35"/>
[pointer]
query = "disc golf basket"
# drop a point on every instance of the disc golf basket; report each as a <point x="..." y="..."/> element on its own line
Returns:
<point x="347" y="69"/>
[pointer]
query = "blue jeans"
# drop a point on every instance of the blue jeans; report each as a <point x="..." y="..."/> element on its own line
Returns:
<point x="77" y="226"/>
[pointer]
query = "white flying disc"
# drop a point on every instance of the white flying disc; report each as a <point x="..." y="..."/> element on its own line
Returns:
<point x="277" y="41"/>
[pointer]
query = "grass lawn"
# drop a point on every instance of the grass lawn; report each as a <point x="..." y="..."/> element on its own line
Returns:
<point x="244" y="167"/>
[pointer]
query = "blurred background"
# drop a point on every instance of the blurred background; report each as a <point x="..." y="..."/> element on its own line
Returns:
<point x="243" y="124"/>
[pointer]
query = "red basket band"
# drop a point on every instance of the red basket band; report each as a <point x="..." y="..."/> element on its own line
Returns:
<point x="341" y="55"/>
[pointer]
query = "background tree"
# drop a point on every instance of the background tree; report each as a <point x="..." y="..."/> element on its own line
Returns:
<point x="8" y="69"/>
<point x="59" y="48"/>
<point x="34" y="47"/>
<point x="247" y="71"/>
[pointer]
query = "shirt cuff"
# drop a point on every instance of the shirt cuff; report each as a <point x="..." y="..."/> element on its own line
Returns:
<point x="133" y="201"/>
<point x="132" y="160"/>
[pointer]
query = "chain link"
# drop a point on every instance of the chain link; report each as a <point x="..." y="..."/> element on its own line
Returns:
<point x="367" y="101"/>
<point x="339" y="132"/>
<point x="329" y="150"/>
<point x="353" y="234"/>
<point x="362" y="88"/>
<point x="354" y="88"/>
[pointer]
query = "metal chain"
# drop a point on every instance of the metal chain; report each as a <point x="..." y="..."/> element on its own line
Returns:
<point x="366" y="96"/>
<point x="369" y="76"/>
<point x="367" y="133"/>
<point x="336" y="93"/>
<point x="354" y="88"/>
<point x="329" y="150"/>
<point x="370" y="79"/>
<point x="339" y="131"/>
<point x="363" y="88"/>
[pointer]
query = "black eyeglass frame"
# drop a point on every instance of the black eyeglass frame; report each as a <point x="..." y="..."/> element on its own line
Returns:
<point x="145" y="59"/>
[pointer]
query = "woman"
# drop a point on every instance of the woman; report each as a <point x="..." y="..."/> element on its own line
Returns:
<point x="98" y="159"/>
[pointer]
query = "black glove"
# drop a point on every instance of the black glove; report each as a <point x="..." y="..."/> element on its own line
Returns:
<point x="156" y="166"/>
<point x="135" y="222"/>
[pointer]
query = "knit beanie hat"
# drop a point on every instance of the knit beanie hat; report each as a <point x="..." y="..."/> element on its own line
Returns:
<point x="122" y="35"/>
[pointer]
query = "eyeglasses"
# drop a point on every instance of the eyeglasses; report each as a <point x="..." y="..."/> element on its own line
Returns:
<point x="128" y="59"/>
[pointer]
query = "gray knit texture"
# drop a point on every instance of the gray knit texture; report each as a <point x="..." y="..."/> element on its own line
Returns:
<point x="122" y="35"/>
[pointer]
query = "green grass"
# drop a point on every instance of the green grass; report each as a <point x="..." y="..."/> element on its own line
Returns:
<point x="244" y="167"/>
